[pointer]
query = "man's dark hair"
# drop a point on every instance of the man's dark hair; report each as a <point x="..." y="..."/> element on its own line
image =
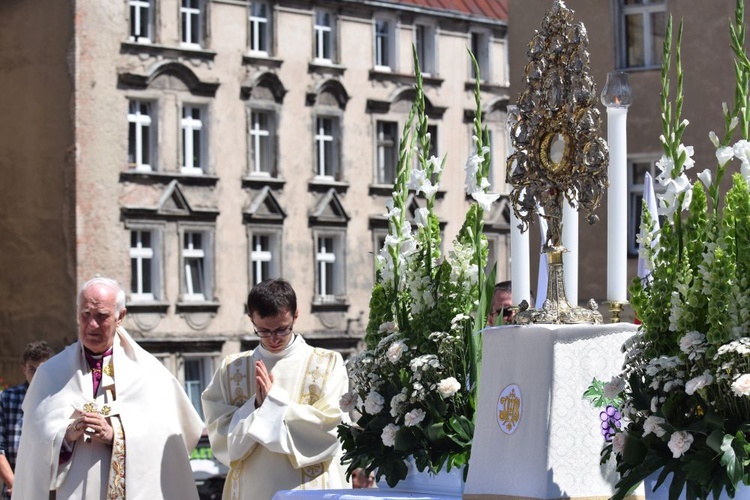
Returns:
<point x="37" y="351"/>
<point x="503" y="286"/>
<point x="271" y="297"/>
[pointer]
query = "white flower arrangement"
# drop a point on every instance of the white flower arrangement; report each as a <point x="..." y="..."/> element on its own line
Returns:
<point x="687" y="372"/>
<point x="415" y="383"/>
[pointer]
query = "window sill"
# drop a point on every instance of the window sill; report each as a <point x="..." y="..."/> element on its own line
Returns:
<point x="261" y="181"/>
<point x="152" y="177"/>
<point x="147" y="307"/>
<point x="260" y="60"/>
<point x="328" y="68"/>
<point x="322" y="184"/>
<point x="330" y="303"/>
<point x="405" y="79"/>
<point x="167" y="52"/>
<point x="193" y="307"/>
<point x="485" y="86"/>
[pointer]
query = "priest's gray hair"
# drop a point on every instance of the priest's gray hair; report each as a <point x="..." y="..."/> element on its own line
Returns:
<point x="101" y="280"/>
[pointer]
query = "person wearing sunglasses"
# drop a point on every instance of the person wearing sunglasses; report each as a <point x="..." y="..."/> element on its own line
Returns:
<point x="272" y="413"/>
<point x="502" y="311"/>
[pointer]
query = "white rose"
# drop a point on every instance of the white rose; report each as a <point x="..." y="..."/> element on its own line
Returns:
<point x="395" y="351"/>
<point x="690" y="341"/>
<point x="348" y="401"/>
<point x="374" y="403"/>
<point x="653" y="424"/>
<point x="698" y="383"/>
<point x="414" y="417"/>
<point x="679" y="443"/>
<point x="741" y="386"/>
<point x="448" y="387"/>
<point x="388" y="436"/>
<point x="618" y="442"/>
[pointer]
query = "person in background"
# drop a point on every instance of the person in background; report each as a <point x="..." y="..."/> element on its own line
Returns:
<point x="272" y="413"/>
<point x="11" y="414"/>
<point x="104" y="418"/>
<point x="361" y="479"/>
<point x="502" y="305"/>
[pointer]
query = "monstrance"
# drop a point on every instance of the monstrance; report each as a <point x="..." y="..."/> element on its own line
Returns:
<point x="558" y="154"/>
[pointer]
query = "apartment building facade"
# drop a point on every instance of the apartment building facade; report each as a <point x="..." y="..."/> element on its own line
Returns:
<point x="191" y="148"/>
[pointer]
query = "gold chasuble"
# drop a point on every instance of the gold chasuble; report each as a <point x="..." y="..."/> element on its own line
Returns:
<point x="290" y="441"/>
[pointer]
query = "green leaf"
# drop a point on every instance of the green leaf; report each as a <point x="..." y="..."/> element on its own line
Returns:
<point x="729" y="459"/>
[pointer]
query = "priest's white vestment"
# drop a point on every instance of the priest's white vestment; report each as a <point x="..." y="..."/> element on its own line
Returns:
<point x="156" y="428"/>
<point x="290" y="441"/>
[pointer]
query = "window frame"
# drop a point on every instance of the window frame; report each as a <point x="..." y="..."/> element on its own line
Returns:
<point x="384" y="59"/>
<point x="320" y="139"/>
<point x="135" y="142"/>
<point x="157" y="260"/>
<point x="206" y="368"/>
<point x="382" y="145"/>
<point x="426" y="45"/>
<point x="651" y="46"/>
<point x="136" y="19"/>
<point x="274" y="267"/>
<point x="320" y="44"/>
<point x="480" y="42"/>
<point x="338" y="266"/>
<point x="189" y="126"/>
<point x="206" y="254"/>
<point x="187" y="13"/>
<point x="259" y="41"/>
<point x="262" y="149"/>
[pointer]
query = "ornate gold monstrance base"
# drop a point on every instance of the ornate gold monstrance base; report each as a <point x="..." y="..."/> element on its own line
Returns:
<point x="556" y="308"/>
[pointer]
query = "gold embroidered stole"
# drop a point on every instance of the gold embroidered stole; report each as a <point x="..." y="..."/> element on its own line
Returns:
<point x="116" y="480"/>
<point x="320" y="364"/>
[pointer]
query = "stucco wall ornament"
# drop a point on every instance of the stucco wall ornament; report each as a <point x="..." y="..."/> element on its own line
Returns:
<point x="558" y="152"/>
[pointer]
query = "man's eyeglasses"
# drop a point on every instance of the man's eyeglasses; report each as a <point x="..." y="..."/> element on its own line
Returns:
<point x="279" y="332"/>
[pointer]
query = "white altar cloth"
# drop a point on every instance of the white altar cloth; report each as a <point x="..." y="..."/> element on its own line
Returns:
<point x="361" y="494"/>
<point x="553" y="450"/>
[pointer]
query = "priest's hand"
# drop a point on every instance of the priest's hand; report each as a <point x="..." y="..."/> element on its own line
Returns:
<point x="96" y="426"/>
<point x="263" y="382"/>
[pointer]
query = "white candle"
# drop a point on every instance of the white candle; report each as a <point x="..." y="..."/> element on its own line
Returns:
<point x="519" y="263"/>
<point x="617" y="222"/>
<point x="570" y="258"/>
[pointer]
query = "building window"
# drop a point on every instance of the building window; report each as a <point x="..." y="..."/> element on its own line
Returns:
<point x="193" y="140"/>
<point x="197" y="278"/>
<point x="265" y="255"/>
<point x="144" y="274"/>
<point x="385" y="49"/>
<point x="191" y="16"/>
<point x="480" y="47"/>
<point x="260" y="28"/>
<point x="329" y="268"/>
<point x="387" y="151"/>
<point x="141" y="21"/>
<point x="324" y="36"/>
<point x="140" y="135"/>
<point x="637" y="169"/>
<point x="197" y="372"/>
<point x="643" y="26"/>
<point x="262" y="136"/>
<point x="326" y="146"/>
<point x="424" y="41"/>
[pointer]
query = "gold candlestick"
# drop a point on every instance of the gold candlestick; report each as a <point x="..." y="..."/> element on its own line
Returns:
<point x="615" y="309"/>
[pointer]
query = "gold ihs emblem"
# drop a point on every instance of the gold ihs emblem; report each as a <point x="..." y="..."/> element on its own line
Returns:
<point x="509" y="412"/>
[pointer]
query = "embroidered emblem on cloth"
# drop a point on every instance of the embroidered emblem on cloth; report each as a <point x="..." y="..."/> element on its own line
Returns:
<point x="116" y="483"/>
<point x="509" y="408"/>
